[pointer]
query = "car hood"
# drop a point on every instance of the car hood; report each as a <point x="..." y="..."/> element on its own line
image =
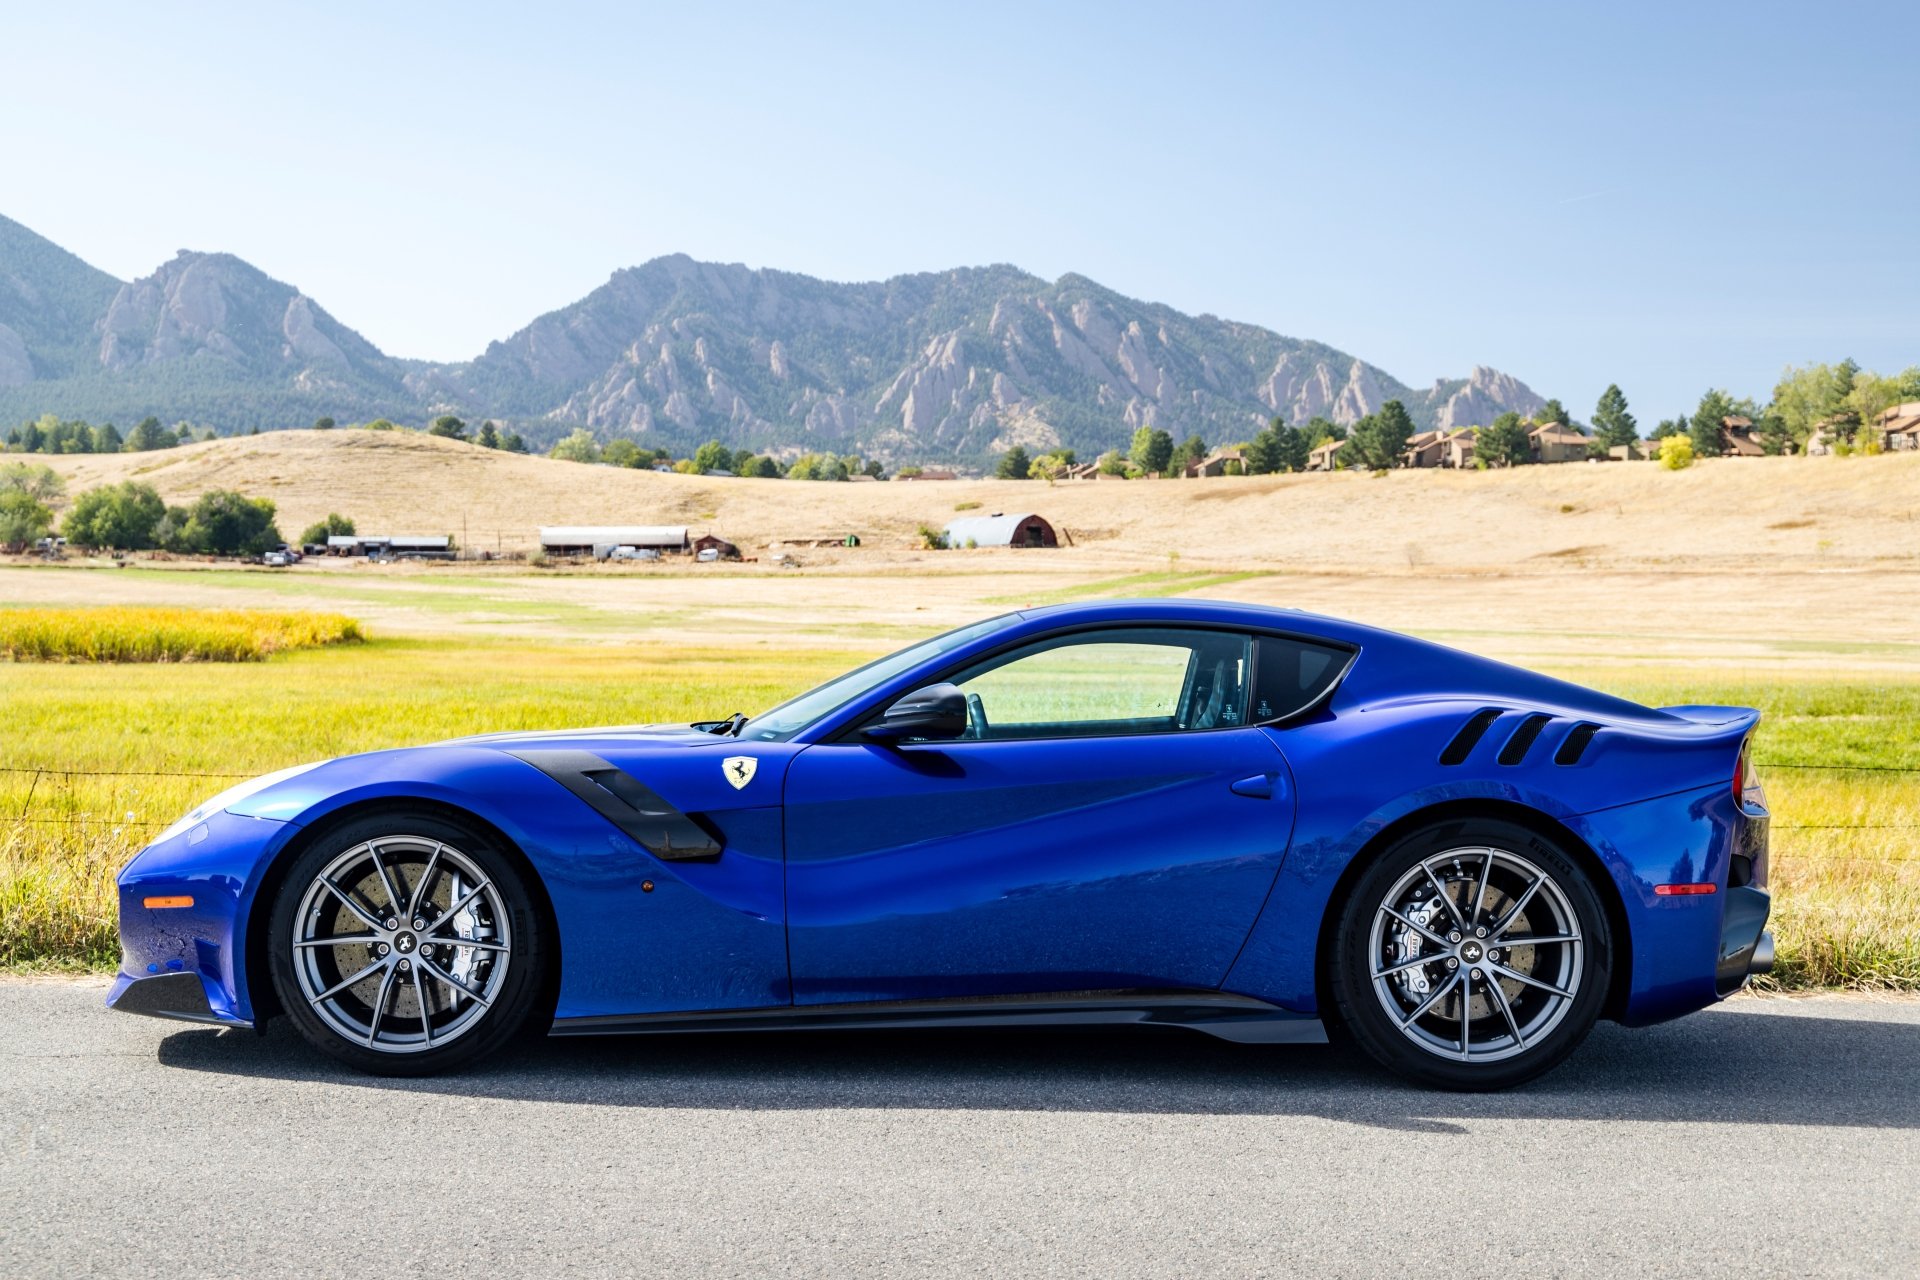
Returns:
<point x="665" y="735"/>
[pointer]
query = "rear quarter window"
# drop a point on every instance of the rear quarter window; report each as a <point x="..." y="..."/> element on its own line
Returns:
<point x="1291" y="675"/>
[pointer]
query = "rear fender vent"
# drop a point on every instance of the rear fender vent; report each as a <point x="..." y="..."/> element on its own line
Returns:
<point x="1575" y="744"/>
<point x="1523" y="738"/>
<point x="1470" y="734"/>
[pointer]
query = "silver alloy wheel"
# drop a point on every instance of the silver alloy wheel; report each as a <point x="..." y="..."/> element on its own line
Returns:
<point x="401" y="944"/>
<point x="1476" y="954"/>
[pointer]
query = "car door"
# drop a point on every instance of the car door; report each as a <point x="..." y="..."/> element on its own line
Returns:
<point x="1109" y="822"/>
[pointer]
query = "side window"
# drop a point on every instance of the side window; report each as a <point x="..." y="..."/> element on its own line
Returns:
<point x="1292" y="675"/>
<point x="1104" y="683"/>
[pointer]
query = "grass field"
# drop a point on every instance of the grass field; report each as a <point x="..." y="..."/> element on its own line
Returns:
<point x="94" y="754"/>
<point x="104" y="633"/>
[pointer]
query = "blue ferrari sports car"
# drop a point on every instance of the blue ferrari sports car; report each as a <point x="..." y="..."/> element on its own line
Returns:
<point x="1255" y="823"/>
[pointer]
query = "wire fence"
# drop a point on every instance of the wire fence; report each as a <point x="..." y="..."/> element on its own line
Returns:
<point x="26" y="816"/>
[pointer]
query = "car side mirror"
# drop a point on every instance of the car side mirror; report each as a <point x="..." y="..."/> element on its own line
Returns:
<point x="937" y="712"/>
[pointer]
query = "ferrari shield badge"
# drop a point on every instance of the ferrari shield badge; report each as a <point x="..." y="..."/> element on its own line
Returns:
<point x="739" y="770"/>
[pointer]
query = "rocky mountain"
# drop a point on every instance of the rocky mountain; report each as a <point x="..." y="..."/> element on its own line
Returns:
<point x="955" y="366"/>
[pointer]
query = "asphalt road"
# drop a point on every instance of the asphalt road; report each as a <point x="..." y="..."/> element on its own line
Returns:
<point x="1768" y="1137"/>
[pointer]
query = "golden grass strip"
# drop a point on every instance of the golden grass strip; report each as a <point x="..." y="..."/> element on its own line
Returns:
<point x="124" y="634"/>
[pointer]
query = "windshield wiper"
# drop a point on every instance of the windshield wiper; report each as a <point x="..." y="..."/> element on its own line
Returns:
<point x="728" y="728"/>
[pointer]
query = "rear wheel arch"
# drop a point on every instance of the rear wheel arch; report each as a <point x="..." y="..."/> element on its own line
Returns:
<point x="1621" y="960"/>
<point x="259" y="984"/>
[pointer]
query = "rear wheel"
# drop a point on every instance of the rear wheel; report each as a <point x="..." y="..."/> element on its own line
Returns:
<point x="405" y="945"/>
<point x="1472" y="954"/>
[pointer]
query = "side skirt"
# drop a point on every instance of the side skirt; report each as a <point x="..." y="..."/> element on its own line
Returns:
<point x="1241" y="1019"/>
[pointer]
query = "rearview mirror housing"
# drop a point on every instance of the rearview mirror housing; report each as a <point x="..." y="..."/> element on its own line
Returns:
<point x="937" y="712"/>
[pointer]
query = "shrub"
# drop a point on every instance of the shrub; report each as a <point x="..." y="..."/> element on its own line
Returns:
<point x="1676" y="452"/>
<point x="933" y="539"/>
<point x="334" y="526"/>
<point x="224" y="523"/>
<point x="23" y="519"/>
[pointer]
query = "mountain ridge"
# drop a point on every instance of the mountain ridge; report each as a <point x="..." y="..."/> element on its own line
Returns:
<point x="948" y="365"/>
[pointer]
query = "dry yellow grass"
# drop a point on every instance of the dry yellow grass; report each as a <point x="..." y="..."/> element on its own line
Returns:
<point x="1811" y="512"/>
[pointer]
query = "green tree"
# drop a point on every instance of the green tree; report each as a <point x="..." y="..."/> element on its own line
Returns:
<point x="1504" y="444"/>
<point x="1707" y="422"/>
<point x="121" y="516"/>
<point x="1113" y="463"/>
<point x="1014" y="464"/>
<point x="334" y="526"/>
<point x="712" y="456"/>
<point x="323" y="424"/>
<point x="39" y="482"/>
<point x="621" y="453"/>
<point x="1189" y="451"/>
<point x="578" y="447"/>
<point x="32" y="438"/>
<point x="489" y="436"/>
<point x="380" y="424"/>
<point x="24" y="519"/>
<point x="448" y="427"/>
<point x="1613" y="426"/>
<point x="766" y="468"/>
<point x="817" y="466"/>
<point x="148" y="436"/>
<point x="1280" y="447"/>
<point x="1553" y="411"/>
<point x="1051" y="466"/>
<point x="1808" y="395"/>
<point x="106" y="438"/>
<point x="1152" y="450"/>
<point x="222" y="522"/>
<point x="1772" y="432"/>
<point x="510" y="442"/>
<point x="1872" y="395"/>
<point x="1378" y="440"/>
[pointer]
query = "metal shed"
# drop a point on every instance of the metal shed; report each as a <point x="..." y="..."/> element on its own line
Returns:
<point x="599" y="540"/>
<point x="1001" y="530"/>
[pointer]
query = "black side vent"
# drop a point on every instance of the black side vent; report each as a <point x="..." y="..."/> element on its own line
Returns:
<point x="1470" y="733"/>
<point x="628" y="804"/>
<point x="1575" y="744"/>
<point x="1522" y="740"/>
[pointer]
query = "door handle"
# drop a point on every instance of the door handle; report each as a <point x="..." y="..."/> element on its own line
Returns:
<point x="1258" y="787"/>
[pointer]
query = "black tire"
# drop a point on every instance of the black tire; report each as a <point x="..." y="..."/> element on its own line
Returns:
<point x="479" y="985"/>
<point x="1528" y="1022"/>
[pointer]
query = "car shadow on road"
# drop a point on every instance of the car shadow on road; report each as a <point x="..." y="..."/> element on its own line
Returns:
<point x="1730" y="1065"/>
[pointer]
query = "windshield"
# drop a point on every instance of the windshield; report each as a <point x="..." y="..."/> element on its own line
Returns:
<point x="795" y="714"/>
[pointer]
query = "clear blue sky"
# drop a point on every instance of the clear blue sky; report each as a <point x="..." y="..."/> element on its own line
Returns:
<point x="1667" y="195"/>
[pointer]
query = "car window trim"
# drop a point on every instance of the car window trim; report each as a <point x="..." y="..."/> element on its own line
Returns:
<point x="851" y="732"/>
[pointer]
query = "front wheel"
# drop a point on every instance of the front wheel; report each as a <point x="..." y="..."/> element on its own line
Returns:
<point x="1472" y="954"/>
<point x="405" y="945"/>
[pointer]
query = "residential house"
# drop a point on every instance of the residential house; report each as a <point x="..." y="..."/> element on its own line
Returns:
<point x="1425" y="449"/>
<point x="1215" y="463"/>
<point x="1325" y="457"/>
<point x="1457" y="448"/>
<point x="1737" y="439"/>
<point x="1557" y="442"/>
<point x="1899" y="426"/>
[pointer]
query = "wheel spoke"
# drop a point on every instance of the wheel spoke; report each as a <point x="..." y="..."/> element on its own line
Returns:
<point x="456" y="984"/>
<point x="421" y="885"/>
<point x="1420" y="929"/>
<point x="420" y="994"/>
<point x="1480" y="891"/>
<point x="386" y="882"/>
<point x="1531" y="981"/>
<point x="1453" y="908"/>
<point x="1466" y="1016"/>
<point x="1506" y="1011"/>
<point x="380" y="1004"/>
<point x="366" y="917"/>
<point x="355" y="940"/>
<point x="344" y="983"/>
<point x="471" y="943"/>
<point x="1551" y="940"/>
<point x="446" y="917"/>
<point x="1428" y="1003"/>
<point x="1513" y="913"/>
<point x="1404" y="965"/>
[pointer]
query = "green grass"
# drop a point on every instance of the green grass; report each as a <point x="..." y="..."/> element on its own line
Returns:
<point x="1846" y="842"/>
<point x="1134" y="586"/>
<point x="119" y="634"/>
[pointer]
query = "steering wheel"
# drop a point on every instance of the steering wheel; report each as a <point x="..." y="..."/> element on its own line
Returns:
<point x="976" y="717"/>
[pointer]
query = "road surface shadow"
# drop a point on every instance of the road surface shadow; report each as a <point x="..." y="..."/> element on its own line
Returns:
<point x="1730" y="1065"/>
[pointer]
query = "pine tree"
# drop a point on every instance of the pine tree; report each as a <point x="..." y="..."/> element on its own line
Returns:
<point x="1611" y="422"/>
<point x="1014" y="464"/>
<point x="1707" y="422"/>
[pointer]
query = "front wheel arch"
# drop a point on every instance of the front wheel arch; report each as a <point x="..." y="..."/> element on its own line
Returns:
<point x="266" y="1002"/>
<point x="1620" y="978"/>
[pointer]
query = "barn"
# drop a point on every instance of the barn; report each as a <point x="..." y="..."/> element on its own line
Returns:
<point x="721" y="548"/>
<point x="599" y="540"/>
<point x="1002" y="530"/>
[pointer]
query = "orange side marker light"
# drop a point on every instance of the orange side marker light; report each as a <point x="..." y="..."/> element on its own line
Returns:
<point x="178" y="900"/>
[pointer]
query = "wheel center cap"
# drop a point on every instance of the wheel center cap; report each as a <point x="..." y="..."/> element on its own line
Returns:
<point x="404" y="942"/>
<point x="1471" y="951"/>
